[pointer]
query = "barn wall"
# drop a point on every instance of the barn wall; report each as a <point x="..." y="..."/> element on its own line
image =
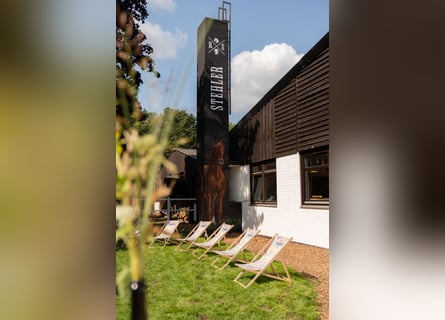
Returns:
<point x="254" y="141"/>
<point x="293" y="116"/>
<point x="286" y="119"/>
<point x="312" y="104"/>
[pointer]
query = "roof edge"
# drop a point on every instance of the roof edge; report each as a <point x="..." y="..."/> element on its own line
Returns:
<point x="307" y="59"/>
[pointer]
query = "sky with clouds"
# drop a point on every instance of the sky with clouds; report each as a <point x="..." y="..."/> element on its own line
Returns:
<point x="267" y="39"/>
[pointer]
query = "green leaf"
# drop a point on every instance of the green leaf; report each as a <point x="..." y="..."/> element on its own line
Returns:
<point x="123" y="280"/>
<point x="123" y="231"/>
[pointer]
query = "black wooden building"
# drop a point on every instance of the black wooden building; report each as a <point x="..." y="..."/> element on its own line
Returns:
<point x="292" y="117"/>
<point x="280" y="154"/>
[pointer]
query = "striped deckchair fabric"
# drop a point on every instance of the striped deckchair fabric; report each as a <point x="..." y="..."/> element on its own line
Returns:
<point x="237" y="247"/>
<point x="194" y="234"/>
<point x="166" y="232"/>
<point x="262" y="261"/>
<point x="215" y="238"/>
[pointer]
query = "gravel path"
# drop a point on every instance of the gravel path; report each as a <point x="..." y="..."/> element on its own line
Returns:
<point x="311" y="261"/>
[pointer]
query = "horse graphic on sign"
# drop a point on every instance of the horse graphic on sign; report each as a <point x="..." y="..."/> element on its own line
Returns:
<point x="214" y="181"/>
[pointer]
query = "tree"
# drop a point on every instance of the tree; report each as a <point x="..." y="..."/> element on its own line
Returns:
<point x="183" y="125"/>
<point x="131" y="50"/>
<point x="146" y="123"/>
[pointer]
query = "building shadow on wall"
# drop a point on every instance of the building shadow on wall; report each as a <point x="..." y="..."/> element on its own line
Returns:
<point x="242" y="141"/>
<point x="253" y="220"/>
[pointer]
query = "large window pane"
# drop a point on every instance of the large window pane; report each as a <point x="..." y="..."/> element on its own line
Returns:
<point x="256" y="168"/>
<point x="316" y="160"/>
<point x="257" y="188"/>
<point x="316" y="178"/>
<point x="264" y="183"/>
<point x="271" y="187"/>
<point x="269" y="166"/>
<point x="318" y="184"/>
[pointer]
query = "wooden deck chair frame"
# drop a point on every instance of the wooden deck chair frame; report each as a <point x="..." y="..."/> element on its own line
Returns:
<point x="237" y="247"/>
<point x="214" y="239"/>
<point x="166" y="233"/>
<point x="264" y="252"/>
<point x="194" y="234"/>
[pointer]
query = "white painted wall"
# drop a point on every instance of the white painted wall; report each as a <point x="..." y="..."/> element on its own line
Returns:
<point x="305" y="225"/>
<point x="239" y="183"/>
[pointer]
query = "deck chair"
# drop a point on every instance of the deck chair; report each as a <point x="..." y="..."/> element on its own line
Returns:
<point x="215" y="238"/>
<point x="194" y="234"/>
<point x="261" y="261"/>
<point x="166" y="232"/>
<point x="238" y="246"/>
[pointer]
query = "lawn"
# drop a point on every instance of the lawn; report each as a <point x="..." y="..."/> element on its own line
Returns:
<point x="182" y="287"/>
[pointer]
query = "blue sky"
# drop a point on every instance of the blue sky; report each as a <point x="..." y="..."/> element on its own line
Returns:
<point x="267" y="39"/>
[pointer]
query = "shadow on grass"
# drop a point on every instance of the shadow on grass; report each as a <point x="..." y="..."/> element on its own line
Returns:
<point x="294" y="275"/>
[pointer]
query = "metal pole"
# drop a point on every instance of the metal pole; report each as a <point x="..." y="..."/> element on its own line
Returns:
<point x="168" y="209"/>
<point x="222" y="15"/>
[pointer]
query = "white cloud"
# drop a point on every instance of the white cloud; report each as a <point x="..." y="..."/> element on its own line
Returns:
<point x="165" y="43"/>
<point x="162" y="5"/>
<point x="254" y="73"/>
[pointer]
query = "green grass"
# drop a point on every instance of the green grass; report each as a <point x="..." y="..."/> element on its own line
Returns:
<point x="182" y="287"/>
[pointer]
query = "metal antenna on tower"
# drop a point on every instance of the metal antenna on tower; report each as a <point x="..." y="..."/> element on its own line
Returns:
<point x="226" y="14"/>
<point x="223" y="13"/>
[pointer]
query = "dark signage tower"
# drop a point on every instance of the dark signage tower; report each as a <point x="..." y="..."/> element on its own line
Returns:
<point x="213" y="107"/>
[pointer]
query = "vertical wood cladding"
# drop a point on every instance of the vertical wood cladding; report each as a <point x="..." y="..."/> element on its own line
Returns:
<point x="286" y="120"/>
<point x="302" y="109"/>
<point x="293" y="116"/>
<point x="254" y="140"/>
<point x="313" y="103"/>
<point x="260" y="133"/>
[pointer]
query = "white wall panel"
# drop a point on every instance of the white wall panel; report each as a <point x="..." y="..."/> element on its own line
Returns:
<point x="239" y="183"/>
<point x="305" y="225"/>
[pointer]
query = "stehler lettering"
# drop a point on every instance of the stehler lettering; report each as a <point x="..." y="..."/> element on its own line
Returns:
<point x="216" y="85"/>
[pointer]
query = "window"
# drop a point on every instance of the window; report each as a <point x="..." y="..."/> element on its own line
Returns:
<point x="264" y="183"/>
<point x="315" y="178"/>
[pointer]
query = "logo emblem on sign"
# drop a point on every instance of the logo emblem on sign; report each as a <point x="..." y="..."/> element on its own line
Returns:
<point x="216" y="46"/>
